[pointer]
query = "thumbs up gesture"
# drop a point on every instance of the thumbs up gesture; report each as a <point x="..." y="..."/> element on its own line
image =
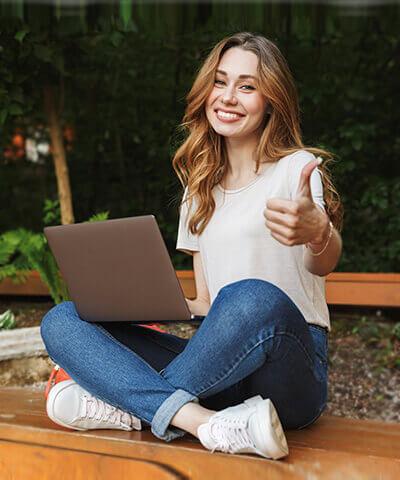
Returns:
<point x="298" y="221"/>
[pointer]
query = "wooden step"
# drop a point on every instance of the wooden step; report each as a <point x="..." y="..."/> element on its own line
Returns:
<point x="32" y="446"/>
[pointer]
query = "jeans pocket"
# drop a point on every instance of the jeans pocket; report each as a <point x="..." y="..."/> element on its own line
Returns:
<point x="320" y="339"/>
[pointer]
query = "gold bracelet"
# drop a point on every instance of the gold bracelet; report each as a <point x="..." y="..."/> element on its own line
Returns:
<point x="329" y="237"/>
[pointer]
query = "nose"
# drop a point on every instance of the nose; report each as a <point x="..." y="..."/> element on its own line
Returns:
<point x="228" y="96"/>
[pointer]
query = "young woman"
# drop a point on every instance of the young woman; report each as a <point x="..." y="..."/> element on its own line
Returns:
<point x="262" y="223"/>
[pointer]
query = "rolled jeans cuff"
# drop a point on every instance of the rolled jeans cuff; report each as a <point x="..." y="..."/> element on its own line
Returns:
<point x="166" y="412"/>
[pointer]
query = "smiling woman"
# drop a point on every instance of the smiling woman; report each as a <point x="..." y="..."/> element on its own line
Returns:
<point x="254" y="200"/>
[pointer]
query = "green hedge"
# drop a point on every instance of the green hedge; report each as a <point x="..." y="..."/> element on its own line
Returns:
<point x="124" y="93"/>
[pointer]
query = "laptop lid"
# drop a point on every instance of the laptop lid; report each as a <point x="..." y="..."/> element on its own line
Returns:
<point x="119" y="270"/>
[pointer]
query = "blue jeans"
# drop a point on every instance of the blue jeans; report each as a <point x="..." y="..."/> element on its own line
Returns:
<point x="253" y="341"/>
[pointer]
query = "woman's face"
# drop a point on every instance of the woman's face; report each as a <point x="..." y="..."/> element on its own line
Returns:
<point x="235" y="106"/>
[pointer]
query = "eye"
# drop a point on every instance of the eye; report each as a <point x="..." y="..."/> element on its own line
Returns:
<point x="246" y="87"/>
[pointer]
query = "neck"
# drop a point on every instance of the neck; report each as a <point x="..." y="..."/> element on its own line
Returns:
<point x="241" y="156"/>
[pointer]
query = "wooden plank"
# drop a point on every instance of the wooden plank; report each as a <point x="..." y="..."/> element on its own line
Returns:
<point x="186" y="279"/>
<point x="363" y="277"/>
<point x="33" y="286"/>
<point x="331" y="448"/>
<point x="364" y="289"/>
<point x="32" y="462"/>
<point x="320" y="464"/>
<point x="363" y="293"/>
<point x="365" y="437"/>
<point x="368" y="289"/>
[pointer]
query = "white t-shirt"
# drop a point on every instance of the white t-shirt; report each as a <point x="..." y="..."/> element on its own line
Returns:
<point x="236" y="244"/>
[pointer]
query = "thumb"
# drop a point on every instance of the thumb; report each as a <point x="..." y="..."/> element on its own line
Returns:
<point x="304" y="188"/>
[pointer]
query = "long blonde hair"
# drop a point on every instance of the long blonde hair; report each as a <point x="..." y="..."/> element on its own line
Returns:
<point x="201" y="161"/>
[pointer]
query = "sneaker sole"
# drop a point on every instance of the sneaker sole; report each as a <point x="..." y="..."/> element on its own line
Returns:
<point x="58" y="387"/>
<point x="270" y="427"/>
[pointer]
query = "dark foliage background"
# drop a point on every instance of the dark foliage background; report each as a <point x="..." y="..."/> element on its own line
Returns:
<point x="123" y="82"/>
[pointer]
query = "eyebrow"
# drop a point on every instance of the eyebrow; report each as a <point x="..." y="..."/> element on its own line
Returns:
<point x="244" y="75"/>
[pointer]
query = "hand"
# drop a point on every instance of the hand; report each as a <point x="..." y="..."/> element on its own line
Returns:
<point x="298" y="221"/>
<point x="198" y="306"/>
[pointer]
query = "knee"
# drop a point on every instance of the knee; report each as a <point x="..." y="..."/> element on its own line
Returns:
<point x="55" y="323"/>
<point x="253" y="299"/>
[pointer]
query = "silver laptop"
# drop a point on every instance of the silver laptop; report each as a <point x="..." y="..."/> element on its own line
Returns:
<point x="119" y="271"/>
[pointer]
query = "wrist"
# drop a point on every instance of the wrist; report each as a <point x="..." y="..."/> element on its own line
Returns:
<point x="321" y="239"/>
<point x="315" y="249"/>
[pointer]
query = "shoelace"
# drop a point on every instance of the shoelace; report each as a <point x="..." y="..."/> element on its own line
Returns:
<point x="93" y="407"/>
<point x="230" y="434"/>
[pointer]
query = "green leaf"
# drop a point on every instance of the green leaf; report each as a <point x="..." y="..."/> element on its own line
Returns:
<point x="98" y="217"/>
<point x="7" y="320"/>
<point x="8" y="248"/>
<point x="125" y="9"/>
<point x="396" y="330"/>
<point x="20" y="35"/>
<point x="51" y="212"/>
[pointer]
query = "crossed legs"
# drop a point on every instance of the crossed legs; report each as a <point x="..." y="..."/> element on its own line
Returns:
<point x="249" y="324"/>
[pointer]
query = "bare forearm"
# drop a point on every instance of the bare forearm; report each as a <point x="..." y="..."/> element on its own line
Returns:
<point x="198" y="306"/>
<point x="326" y="262"/>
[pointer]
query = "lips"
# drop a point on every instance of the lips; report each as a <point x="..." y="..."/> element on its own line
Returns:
<point x="228" y="111"/>
<point x="224" y="116"/>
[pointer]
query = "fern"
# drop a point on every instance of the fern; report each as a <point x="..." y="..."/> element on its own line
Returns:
<point x="12" y="264"/>
<point x="7" y="320"/>
<point x="51" y="212"/>
<point x="9" y="242"/>
<point x="35" y="249"/>
<point x="12" y="272"/>
<point x="98" y="217"/>
<point x="22" y="251"/>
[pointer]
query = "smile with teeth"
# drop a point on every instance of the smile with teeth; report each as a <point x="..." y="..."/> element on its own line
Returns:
<point x="227" y="116"/>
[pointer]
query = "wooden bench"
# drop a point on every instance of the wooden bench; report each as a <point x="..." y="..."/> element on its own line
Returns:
<point x="33" y="447"/>
<point x="363" y="289"/>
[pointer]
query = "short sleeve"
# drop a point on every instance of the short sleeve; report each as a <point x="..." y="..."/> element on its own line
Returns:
<point x="296" y="164"/>
<point x="186" y="241"/>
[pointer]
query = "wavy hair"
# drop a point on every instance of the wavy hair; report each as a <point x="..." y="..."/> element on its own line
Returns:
<point x="201" y="161"/>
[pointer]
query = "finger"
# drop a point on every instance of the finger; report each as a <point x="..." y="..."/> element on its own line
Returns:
<point x="304" y="188"/>
<point x="281" y="230"/>
<point x="282" y="205"/>
<point x="281" y="239"/>
<point x="286" y="219"/>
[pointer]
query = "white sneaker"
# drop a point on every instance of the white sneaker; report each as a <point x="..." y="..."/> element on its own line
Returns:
<point x="69" y="405"/>
<point x="250" y="427"/>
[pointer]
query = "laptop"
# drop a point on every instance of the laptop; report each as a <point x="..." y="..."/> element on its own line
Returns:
<point x="119" y="270"/>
